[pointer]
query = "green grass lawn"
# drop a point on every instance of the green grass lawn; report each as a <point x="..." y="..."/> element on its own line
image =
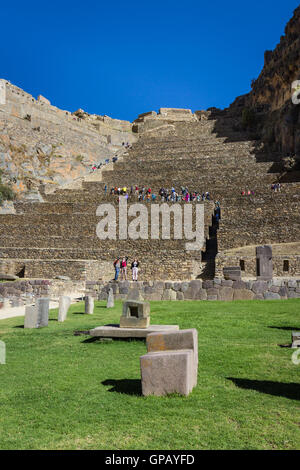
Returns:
<point x="60" y="391"/>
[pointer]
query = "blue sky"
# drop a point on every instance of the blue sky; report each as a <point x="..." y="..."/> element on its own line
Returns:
<point x="126" y="58"/>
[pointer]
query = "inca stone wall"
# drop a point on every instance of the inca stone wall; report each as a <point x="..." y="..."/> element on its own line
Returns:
<point x="216" y="289"/>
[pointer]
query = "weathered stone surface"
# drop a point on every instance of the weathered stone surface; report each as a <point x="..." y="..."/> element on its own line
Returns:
<point x="89" y="305"/>
<point x="31" y="317"/>
<point x="239" y="284"/>
<point x="292" y="283"/>
<point x="169" y="294"/>
<point x="293" y="295"/>
<point x="271" y="296"/>
<point x="180" y="296"/>
<point x="42" y="305"/>
<point x="167" y="372"/>
<point x="225" y="294"/>
<point x="242" y="294"/>
<point x="227" y="282"/>
<point x="110" y="299"/>
<point x="232" y="273"/>
<point x="64" y="305"/>
<point x="259" y="287"/>
<point x="115" y="331"/>
<point x="264" y="262"/>
<point x="176" y="340"/>
<point x="258" y="297"/>
<point x="135" y="314"/>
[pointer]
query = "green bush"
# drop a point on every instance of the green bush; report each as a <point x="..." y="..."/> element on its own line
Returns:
<point x="6" y="193"/>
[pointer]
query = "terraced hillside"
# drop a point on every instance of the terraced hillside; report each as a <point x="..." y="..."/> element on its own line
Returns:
<point x="58" y="237"/>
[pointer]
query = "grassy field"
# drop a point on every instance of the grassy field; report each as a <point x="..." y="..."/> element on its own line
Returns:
<point x="60" y="391"/>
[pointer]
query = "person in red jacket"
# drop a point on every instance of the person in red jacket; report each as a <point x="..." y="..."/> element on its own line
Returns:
<point x="124" y="268"/>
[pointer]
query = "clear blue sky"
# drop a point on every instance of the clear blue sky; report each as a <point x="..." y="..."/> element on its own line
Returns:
<point x="123" y="58"/>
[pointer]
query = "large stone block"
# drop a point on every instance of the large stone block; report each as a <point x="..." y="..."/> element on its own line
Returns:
<point x="64" y="305"/>
<point x="271" y="296"/>
<point x="110" y="299"/>
<point x="176" y="340"/>
<point x="36" y="316"/>
<point x="259" y="287"/>
<point x="225" y="294"/>
<point x="42" y="305"/>
<point x="135" y="314"/>
<point x="232" y="273"/>
<point x="89" y="305"/>
<point x="31" y="317"/>
<point x="167" y="372"/>
<point x="242" y="294"/>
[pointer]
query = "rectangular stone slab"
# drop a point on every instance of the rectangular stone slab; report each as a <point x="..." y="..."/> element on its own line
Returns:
<point x="165" y="372"/>
<point x="114" y="331"/>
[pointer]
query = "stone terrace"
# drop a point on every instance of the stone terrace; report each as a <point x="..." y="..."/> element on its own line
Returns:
<point x="58" y="237"/>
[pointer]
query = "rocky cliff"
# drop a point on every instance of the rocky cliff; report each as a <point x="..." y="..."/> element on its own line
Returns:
<point x="268" y="110"/>
<point x="41" y="144"/>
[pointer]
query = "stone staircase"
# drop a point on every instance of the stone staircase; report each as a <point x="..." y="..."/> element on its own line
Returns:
<point x="58" y="236"/>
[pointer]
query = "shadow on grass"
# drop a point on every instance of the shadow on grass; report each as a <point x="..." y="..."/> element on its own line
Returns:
<point x="126" y="386"/>
<point x="279" y="389"/>
<point x="286" y="328"/>
<point x="19" y="326"/>
<point x="106" y="339"/>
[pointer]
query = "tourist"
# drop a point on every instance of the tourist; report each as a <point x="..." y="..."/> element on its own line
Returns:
<point x="124" y="268"/>
<point x="105" y="189"/>
<point x="135" y="268"/>
<point x="117" y="266"/>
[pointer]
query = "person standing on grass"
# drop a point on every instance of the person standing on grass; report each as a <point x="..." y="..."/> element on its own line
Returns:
<point x="135" y="267"/>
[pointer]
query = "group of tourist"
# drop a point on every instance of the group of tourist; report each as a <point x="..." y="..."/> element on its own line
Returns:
<point x="247" y="193"/>
<point x="120" y="265"/>
<point x="166" y="195"/>
<point x="276" y="187"/>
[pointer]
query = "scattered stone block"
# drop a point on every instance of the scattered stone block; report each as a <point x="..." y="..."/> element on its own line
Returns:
<point x="171" y="363"/>
<point x="295" y="339"/>
<point x="110" y="299"/>
<point x="167" y="372"/>
<point x="42" y="305"/>
<point x="31" y="317"/>
<point x="135" y="314"/>
<point x="64" y="305"/>
<point x="89" y="305"/>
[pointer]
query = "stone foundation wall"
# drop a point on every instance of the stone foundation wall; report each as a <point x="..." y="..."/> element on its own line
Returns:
<point x="283" y="265"/>
<point x="217" y="289"/>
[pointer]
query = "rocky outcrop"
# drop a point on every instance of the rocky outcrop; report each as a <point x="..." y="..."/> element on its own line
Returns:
<point x="42" y="144"/>
<point x="268" y="110"/>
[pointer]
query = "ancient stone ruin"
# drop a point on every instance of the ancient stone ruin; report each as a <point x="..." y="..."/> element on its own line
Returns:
<point x="171" y="363"/>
